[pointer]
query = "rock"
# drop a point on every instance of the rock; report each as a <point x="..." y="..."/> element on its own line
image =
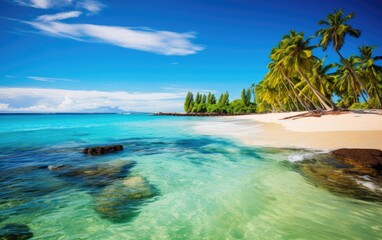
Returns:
<point x="122" y="200"/>
<point x="15" y="231"/>
<point x="96" y="175"/>
<point x="328" y="172"/>
<point x="364" y="161"/>
<point x="100" y="150"/>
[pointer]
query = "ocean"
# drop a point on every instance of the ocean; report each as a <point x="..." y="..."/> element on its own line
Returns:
<point x="169" y="182"/>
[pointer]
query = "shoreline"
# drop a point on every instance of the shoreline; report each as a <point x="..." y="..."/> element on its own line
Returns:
<point x="179" y="114"/>
<point x="354" y="129"/>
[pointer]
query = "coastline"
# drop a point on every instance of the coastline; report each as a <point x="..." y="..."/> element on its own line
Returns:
<point x="354" y="129"/>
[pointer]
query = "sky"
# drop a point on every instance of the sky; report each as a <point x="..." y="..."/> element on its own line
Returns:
<point x="124" y="55"/>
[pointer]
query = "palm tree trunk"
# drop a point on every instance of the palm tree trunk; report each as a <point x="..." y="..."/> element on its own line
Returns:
<point x="280" y="105"/>
<point x="354" y="90"/>
<point x="361" y="93"/>
<point x="290" y="96"/>
<point x="353" y="73"/>
<point x="294" y="92"/>
<point x="376" y="91"/>
<point x="315" y="91"/>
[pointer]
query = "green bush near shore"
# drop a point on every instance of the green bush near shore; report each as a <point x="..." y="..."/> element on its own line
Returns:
<point x="203" y="103"/>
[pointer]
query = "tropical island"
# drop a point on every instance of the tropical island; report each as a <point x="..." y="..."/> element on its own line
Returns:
<point x="297" y="80"/>
<point x="293" y="150"/>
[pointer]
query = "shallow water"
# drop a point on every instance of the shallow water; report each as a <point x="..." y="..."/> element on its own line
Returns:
<point x="200" y="187"/>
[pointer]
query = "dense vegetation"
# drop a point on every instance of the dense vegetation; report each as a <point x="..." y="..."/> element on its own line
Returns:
<point x="298" y="80"/>
<point x="203" y="103"/>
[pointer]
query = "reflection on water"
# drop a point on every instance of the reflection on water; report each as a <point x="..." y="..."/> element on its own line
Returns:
<point x="171" y="183"/>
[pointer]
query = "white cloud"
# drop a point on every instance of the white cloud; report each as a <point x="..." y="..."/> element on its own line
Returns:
<point x="160" y="42"/>
<point x="50" y="79"/>
<point x="44" y="4"/>
<point x="4" y="106"/>
<point x="89" y="5"/>
<point x="59" y="16"/>
<point x="58" y="100"/>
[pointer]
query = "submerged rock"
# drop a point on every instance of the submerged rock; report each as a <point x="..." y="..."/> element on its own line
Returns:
<point x="363" y="161"/>
<point x="15" y="231"/>
<point x="96" y="175"/>
<point x="100" y="150"/>
<point x="325" y="171"/>
<point x="123" y="199"/>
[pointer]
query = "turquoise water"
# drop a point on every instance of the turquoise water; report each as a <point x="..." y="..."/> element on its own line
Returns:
<point x="185" y="185"/>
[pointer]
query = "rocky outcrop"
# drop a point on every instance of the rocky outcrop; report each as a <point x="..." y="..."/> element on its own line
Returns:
<point x="121" y="200"/>
<point x="100" y="150"/>
<point x="363" y="161"/>
<point x="344" y="175"/>
<point x="15" y="231"/>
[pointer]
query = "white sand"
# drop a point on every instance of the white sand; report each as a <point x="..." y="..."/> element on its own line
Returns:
<point x="361" y="129"/>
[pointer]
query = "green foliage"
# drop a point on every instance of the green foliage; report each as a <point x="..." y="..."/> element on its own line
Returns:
<point x="358" y="105"/>
<point x="189" y="101"/>
<point x="204" y="99"/>
<point x="208" y="104"/>
<point x="198" y="98"/>
<point x="246" y="96"/>
<point x="297" y="80"/>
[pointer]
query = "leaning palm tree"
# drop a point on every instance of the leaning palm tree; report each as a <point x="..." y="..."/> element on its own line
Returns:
<point x="295" y="52"/>
<point x="345" y="84"/>
<point x="334" y="32"/>
<point x="321" y="78"/>
<point x="370" y="71"/>
<point x="277" y="77"/>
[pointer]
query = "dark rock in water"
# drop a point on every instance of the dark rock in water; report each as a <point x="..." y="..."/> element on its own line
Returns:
<point x="97" y="175"/>
<point x="102" y="149"/>
<point x="15" y="231"/>
<point x="122" y="200"/>
<point x="364" y="161"/>
<point x="326" y="171"/>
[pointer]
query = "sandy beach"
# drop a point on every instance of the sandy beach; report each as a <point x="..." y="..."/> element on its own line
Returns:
<point x="355" y="129"/>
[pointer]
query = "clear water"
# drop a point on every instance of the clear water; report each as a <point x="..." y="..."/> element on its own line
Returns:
<point x="205" y="187"/>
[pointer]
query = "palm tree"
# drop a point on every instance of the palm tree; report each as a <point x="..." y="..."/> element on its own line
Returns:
<point x="335" y="31"/>
<point x="370" y="71"/>
<point x="345" y="84"/>
<point x="295" y="52"/>
<point x="277" y="77"/>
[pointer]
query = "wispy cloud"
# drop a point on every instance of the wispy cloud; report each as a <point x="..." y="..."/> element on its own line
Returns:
<point x="50" y="79"/>
<point x="44" y="4"/>
<point x="9" y="76"/>
<point x="143" y="39"/>
<point x="59" y="16"/>
<point x="160" y="42"/>
<point x="58" y="100"/>
<point x="90" y="5"/>
<point x="174" y="88"/>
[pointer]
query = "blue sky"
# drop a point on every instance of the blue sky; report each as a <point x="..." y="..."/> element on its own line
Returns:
<point x="88" y="55"/>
